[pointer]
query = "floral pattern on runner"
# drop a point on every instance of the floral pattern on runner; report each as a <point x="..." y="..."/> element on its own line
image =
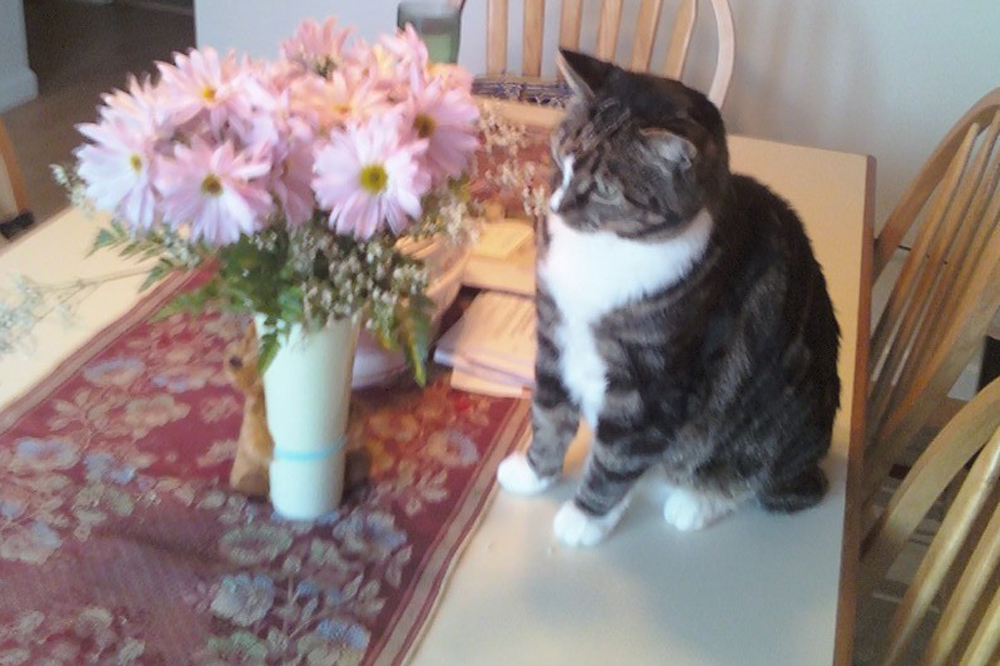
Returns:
<point x="121" y="543"/>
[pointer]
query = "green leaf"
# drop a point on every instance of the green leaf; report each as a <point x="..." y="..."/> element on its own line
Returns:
<point x="114" y="234"/>
<point x="159" y="271"/>
<point x="104" y="239"/>
<point x="195" y="300"/>
<point x="415" y="333"/>
<point x="290" y="303"/>
<point x="387" y="338"/>
<point x="269" y="345"/>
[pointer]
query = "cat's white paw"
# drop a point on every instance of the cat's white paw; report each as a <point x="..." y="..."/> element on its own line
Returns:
<point x="688" y="510"/>
<point x="574" y="527"/>
<point x="516" y="476"/>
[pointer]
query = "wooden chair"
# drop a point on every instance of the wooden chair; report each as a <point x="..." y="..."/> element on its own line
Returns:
<point x="13" y="197"/>
<point x="960" y="568"/>
<point x="644" y="37"/>
<point x="942" y="302"/>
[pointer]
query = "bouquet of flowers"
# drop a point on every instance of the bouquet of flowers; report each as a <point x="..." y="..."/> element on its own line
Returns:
<point x="290" y="181"/>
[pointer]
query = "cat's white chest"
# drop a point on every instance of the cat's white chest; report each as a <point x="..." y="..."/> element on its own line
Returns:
<point x="591" y="274"/>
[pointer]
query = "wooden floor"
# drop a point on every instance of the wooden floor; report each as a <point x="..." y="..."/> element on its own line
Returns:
<point x="78" y="51"/>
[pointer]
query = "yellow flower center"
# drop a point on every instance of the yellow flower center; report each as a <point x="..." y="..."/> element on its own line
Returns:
<point x="343" y="108"/>
<point x="373" y="178"/>
<point x="136" y="163"/>
<point x="424" y="125"/>
<point x="208" y="93"/>
<point x="211" y="185"/>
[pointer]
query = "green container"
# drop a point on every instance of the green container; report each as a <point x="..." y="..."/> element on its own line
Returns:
<point x="437" y="23"/>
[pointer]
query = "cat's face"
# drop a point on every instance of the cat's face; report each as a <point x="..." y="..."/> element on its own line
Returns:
<point x="636" y="154"/>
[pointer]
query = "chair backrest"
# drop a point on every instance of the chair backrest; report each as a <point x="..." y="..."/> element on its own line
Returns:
<point x="644" y="37"/>
<point x="960" y="567"/>
<point x="941" y="304"/>
<point x="13" y="199"/>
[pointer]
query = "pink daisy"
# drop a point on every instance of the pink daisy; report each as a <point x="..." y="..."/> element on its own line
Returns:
<point x="380" y="67"/>
<point x="291" y="182"/>
<point x="317" y="47"/>
<point x="451" y="76"/>
<point x="274" y="111"/>
<point x="199" y="82"/>
<point x="118" y="168"/>
<point x="407" y="47"/>
<point x="269" y="115"/>
<point x="368" y="176"/>
<point x="338" y="100"/>
<point x="218" y="192"/>
<point x="268" y="112"/>
<point x="140" y="107"/>
<point x="446" y="117"/>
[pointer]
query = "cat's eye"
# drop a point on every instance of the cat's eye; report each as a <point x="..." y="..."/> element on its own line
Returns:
<point x="604" y="190"/>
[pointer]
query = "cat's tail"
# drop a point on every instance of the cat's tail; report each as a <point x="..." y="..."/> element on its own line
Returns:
<point x="799" y="493"/>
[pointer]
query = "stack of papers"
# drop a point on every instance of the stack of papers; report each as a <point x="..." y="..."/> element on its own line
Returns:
<point x="491" y="349"/>
<point x="503" y="259"/>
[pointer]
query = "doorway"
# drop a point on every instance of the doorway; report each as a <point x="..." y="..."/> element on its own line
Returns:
<point x="79" y="50"/>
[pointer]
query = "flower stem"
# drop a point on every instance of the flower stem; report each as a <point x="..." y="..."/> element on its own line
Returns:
<point x="100" y="279"/>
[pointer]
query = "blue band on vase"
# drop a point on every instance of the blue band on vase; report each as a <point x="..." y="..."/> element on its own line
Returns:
<point x="307" y="456"/>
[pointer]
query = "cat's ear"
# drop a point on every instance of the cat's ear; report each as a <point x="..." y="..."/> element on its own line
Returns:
<point x="671" y="147"/>
<point x="584" y="74"/>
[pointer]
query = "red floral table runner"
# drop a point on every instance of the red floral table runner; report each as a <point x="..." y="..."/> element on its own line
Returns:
<point x="120" y="542"/>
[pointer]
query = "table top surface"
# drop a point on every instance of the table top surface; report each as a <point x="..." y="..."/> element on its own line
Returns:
<point x="754" y="589"/>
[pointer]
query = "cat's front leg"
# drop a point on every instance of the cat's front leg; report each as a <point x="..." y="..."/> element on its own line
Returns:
<point x="553" y="428"/>
<point x="555" y="418"/>
<point x="602" y="498"/>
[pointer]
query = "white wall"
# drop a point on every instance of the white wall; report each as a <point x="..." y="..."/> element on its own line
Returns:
<point x="883" y="77"/>
<point x="258" y="27"/>
<point x="17" y="81"/>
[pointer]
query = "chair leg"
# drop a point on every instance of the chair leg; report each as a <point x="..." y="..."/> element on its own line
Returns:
<point x="990" y="368"/>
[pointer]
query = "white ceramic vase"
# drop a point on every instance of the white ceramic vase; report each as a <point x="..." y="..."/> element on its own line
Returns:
<point x="307" y="389"/>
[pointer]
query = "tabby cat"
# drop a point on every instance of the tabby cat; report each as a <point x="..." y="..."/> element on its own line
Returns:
<point x="681" y="312"/>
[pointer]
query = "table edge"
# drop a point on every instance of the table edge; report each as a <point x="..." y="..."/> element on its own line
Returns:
<point x="843" y="646"/>
<point x="39" y="225"/>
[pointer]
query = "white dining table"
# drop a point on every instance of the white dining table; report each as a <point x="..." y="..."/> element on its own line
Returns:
<point x="755" y="589"/>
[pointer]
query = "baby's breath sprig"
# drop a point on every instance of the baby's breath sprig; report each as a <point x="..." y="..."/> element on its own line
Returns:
<point x="501" y="163"/>
<point x="446" y="213"/>
<point x="75" y="187"/>
<point x="27" y="302"/>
